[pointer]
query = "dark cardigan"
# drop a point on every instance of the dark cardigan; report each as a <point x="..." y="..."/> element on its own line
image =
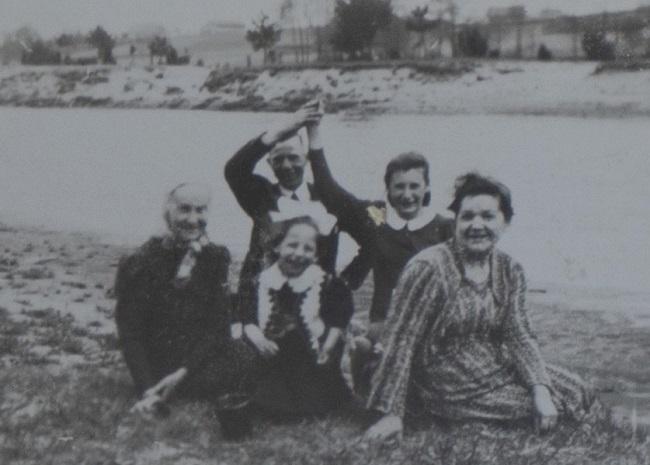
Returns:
<point x="162" y="327"/>
<point x="383" y="249"/>
<point x="258" y="196"/>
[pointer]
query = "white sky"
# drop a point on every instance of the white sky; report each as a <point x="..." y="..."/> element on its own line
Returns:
<point x="51" y="17"/>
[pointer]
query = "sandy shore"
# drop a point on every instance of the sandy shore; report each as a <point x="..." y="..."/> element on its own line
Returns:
<point x="56" y="305"/>
<point x="483" y="87"/>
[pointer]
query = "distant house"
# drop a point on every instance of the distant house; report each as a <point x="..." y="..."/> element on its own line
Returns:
<point x="513" y="35"/>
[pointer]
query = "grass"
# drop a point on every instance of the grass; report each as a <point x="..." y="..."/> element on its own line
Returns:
<point x="82" y="417"/>
<point x="56" y="409"/>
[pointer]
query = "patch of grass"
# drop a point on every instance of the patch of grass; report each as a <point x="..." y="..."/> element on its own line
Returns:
<point x="76" y="417"/>
<point x="9" y="345"/>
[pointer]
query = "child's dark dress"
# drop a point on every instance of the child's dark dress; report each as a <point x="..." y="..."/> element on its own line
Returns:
<point x="297" y="315"/>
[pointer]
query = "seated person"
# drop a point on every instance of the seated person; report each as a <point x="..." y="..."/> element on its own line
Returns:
<point x="173" y="318"/>
<point x="389" y="234"/>
<point x="458" y="344"/>
<point x="296" y="319"/>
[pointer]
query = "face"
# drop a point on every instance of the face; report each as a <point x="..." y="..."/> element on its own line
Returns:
<point x="297" y="250"/>
<point x="406" y="191"/>
<point x="479" y="223"/>
<point x="187" y="211"/>
<point x="289" y="169"/>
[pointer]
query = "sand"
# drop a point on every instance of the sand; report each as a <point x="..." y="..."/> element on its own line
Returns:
<point x="481" y="87"/>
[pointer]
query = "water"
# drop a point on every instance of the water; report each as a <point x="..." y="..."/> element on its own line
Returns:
<point x="580" y="186"/>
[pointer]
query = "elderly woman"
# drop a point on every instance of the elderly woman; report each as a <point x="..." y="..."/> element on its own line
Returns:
<point x="173" y="318"/>
<point x="458" y="340"/>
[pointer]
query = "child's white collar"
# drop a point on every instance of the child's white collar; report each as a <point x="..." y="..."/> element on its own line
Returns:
<point x="274" y="279"/>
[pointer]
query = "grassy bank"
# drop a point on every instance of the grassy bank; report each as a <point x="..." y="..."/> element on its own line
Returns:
<point x="65" y="393"/>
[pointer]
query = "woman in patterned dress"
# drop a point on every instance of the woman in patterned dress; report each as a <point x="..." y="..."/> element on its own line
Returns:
<point x="458" y="342"/>
<point x="296" y="320"/>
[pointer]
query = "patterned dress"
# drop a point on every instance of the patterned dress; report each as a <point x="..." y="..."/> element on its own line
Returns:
<point x="459" y="350"/>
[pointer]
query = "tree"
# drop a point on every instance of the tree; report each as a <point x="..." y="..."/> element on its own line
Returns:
<point x="356" y="23"/>
<point x="65" y="40"/>
<point x="263" y="36"/>
<point x="471" y="43"/>
<point x="16" y="44"/>
<point x="543" y="53"/>
<point x="418" y="22"/>
<point x="447" y="10"/>
<point x="158" y="47"/>
<point x="596" y="45"/>
<point x="40" y="53"/>
<point x="104" y="43"/>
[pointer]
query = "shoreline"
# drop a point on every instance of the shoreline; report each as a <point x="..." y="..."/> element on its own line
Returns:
<point x="573" y="89"/>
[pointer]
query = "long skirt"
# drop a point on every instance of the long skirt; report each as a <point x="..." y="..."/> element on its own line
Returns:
<point x="292" y="383"/>
<point x="227" y="379"/>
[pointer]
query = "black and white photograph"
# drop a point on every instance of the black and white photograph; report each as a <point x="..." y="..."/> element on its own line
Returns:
<point x="349" y="232"/>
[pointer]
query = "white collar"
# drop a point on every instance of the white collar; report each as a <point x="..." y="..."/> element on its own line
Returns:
<point x="302" y="192"/>
<point x="273" y="278"/>
<point x="396" y="222"/>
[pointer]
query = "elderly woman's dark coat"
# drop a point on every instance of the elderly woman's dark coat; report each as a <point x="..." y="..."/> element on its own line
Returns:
<point x="164" y="325"/>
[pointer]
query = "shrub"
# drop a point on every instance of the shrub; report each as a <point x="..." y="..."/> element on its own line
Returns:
<point x="544" y="54"/>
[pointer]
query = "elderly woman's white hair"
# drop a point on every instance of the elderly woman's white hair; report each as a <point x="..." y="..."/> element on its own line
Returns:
<point x="186" y="190"/>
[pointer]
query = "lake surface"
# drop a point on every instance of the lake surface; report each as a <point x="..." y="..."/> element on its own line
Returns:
<point x="580" y="186"/>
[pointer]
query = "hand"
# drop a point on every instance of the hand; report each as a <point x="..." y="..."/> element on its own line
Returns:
<point x="545" y="411"/>
<point x="147" y="405"/>
<point x="265" y="347"/>
<point x="308" y="114"/>
<point x="388" y="426"/>
<point x="312" y="124"/>
<point x="333" y="337"/>
<point x="167" y="385"/>
<point x="160" y="393"/>
<point x="374" y="331"/>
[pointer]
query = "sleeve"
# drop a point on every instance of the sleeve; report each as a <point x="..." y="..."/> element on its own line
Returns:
<point x="519" y="337"/>
<point x="249" y="189"/>
<point x="357" y="270"/>
<point x="413" y="303"/>
<point x="248" y="302"/>
<point x="350" y="212"/>
<point x="337" y="307"/>
<point x="130" y="326"/>
<point x="218" y="319"/>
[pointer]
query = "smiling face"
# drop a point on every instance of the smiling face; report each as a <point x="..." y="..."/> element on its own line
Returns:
<point x="186" y="212"/>
<point x="297" y="250"/>
<point x="288" y="165"/>
<point x="406" y="192"/>
<point x="479" y="224"/>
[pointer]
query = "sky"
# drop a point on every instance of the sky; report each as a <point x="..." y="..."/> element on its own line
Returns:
<point x="50" y="17"/>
